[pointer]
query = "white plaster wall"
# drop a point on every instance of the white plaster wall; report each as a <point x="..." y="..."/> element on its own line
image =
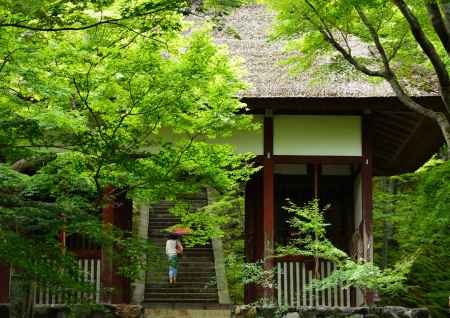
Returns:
<point x="241" y="141"/>
<point x="246" y="141"/>
<point x="357" y="193"/>
<point x="317" y="135"/>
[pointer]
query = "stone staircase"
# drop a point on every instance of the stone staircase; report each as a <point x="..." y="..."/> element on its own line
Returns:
<point x="196" y="272"/>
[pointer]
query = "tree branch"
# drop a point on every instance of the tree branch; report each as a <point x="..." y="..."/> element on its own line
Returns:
<point x="445" y="7"/>
<point x="438" y="23"/>
<point x="429" y="50"/>
<point x="91" y="111"/>
<point x="397" y="47"/>
<point x="328" y="36"/>
<point x="391" y="77"/>
<point x="160" y="7"/>
<point x="376" y="40"/>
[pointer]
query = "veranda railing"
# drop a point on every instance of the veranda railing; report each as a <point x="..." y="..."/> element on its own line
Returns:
<point x="293" y="278"/>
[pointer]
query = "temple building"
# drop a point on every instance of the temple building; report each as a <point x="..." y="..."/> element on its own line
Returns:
<point x="324" y="140"/>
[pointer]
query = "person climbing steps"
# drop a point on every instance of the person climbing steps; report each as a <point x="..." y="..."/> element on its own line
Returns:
<point x="174" y="248"/>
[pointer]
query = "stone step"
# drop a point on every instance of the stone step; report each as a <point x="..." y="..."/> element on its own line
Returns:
<point x="162" y="213"/>
<point x="193" y="267"/>
<point x="184" y="282"/>
<point x="184" y="273"/>
<point x="161" y="222"/>
<point x="161" y="300"/>
<point x="196" y="278"/>
<point x="179" y="284"/>
<point x="164" y="218"/>
<point x="194" y="257"/>
<point x="178" y="289"/>
<point x="184" y="270"/>
<point x="170" y="295"/>
<point x="182" y="311"/>
<point x="196" y="271"/>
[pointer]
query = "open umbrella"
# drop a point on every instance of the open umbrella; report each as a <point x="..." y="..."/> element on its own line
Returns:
<point x="181" y="231"/>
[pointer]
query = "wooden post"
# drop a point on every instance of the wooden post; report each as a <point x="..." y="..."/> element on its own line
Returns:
<point x="4" y="283"/>
<point x="366" y="180"/>
<point x="268" y="200"/>
<point x="254" y="241"/>
<point x="316" y="180"/>
<point x="107" y="250"/>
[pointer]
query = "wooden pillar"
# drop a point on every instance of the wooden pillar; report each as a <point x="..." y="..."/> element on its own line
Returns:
<point x="268" y="200"/>
<point x="254" y="229"/>
<point x="4" y="283"/>
<point x="117" y="212"/>
<point x="366" y="180"/>
<point x="107" y="249"/>
<point x="123" y="211"/>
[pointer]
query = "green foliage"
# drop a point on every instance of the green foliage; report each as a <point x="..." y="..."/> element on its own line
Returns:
<point x="416" y="212"/>
<point x="253" y="273"/>
<point x="387" y="282"/>
<point x="234" y="248"/>
<point x="302" y="23"/>
<point x="234" y="263"/>
<point x="308" y="224"/>
<point x="309" y="237"/>
<point x="107" y="94"/>
<point x="221" y="7"/>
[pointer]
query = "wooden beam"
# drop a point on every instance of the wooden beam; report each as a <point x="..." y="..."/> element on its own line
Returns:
<point x="386" y="145"/>
<point x="403" y="145"/>
<point x="423" y="143"/>
<point x="382" y="129"/>
<point x="336" y="105"/>
<point x="288" y="159"/>
<point x="407" y="118"/>
<point x="401" y="128"/>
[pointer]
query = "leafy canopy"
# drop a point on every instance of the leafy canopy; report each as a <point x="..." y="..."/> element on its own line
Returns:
<point x="413" y="215"/>
<point x="405" y="43"/>
<point x="101" y="95"/>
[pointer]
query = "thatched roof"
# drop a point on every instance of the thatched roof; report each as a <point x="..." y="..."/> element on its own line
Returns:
<point x="246" y="31"/>
<point x="402" y="139"/>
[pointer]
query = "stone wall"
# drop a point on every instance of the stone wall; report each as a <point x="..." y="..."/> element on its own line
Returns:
<point x="326" y="312"/>
<point x="107" y="311"/>
<point x="129" y="311"/>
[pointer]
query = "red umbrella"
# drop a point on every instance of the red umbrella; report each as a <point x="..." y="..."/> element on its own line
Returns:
<point x="181" y="230"/>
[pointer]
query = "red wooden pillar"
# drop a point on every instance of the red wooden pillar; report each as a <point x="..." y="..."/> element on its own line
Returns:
<point x="116" y="213"/>
<point x="268" y="200"/>
<point x="254" y="229"/>
<point x="107" y="251"/>
<point x="4" y="283"/>
<point x="366" y="180"/>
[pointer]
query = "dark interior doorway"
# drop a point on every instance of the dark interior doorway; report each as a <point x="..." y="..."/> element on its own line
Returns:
<point x="335" y="190"/>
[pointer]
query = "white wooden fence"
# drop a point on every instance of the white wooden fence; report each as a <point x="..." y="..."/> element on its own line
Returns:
<point x="90" y="272"/>
<point x="293" y="280"/>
